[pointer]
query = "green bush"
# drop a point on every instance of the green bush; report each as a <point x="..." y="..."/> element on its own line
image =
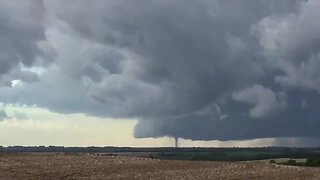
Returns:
<point x="314" y="162"/>
<point x="292" y="162"/>
<point x="151" y="156"/>
<point x="272" y="161"/>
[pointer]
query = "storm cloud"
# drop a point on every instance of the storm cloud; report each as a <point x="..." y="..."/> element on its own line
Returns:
<point x="21" y="31"/>
<point x="202" y="70"/>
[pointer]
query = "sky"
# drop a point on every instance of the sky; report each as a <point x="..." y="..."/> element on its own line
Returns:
<point x="141" y="73"/>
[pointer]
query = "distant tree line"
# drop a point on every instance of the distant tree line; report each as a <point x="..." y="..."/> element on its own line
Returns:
<point x="310" y="162"/>
<point x="193" y="153"/>
<point x="237" y="154"/>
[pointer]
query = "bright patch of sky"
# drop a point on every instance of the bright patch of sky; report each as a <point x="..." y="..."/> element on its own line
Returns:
<point x="42" y="127"/>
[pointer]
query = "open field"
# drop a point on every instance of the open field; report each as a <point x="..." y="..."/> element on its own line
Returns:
<point x="73" y="166"/>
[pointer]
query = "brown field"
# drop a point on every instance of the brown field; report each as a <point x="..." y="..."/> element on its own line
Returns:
<point x="62" y="166"/>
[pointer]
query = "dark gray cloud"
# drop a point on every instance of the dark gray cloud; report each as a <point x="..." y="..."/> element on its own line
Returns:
<point x="192" y="69"/>
<point x="21" y="30"/>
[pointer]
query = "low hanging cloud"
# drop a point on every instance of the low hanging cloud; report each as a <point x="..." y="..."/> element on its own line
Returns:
<point x="3" y="115"/>
<point x="200" y="70"/>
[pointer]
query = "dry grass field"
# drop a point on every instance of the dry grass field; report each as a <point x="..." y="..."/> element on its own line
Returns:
<point x="62" y="166"/>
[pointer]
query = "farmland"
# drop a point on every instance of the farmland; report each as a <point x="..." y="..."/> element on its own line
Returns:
<point x="92" y="166"/>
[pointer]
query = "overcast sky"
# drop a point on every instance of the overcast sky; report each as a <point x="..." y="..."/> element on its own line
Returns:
<point x="138" y="73"/>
